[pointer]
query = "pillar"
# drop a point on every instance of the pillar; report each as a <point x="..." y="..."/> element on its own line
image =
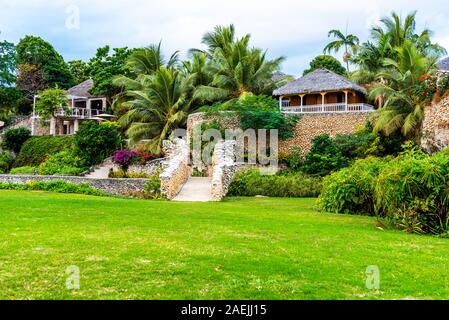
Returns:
<point x="76" y="125"/>
<point x="52" y="126"/>
<point x="346" y="100"/>
<point x="322" y="100"/>
<point x="280" y="102"/>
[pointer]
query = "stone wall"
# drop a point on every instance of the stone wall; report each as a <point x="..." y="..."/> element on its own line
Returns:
<point x="176" y="167"/>
<point x="310" y="126"/>
<point x="223" y="169"/>
<point x="25" y="122"/>
<point x="435" y="127"/>
<point x="121" y="187"/>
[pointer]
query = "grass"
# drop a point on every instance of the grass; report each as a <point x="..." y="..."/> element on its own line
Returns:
<point x="238" y="249"/>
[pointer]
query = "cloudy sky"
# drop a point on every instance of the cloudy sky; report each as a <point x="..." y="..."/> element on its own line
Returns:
<point x="294" y="29"/>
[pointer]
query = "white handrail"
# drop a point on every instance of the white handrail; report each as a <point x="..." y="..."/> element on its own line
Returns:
<point x="329" y="108"/>
<point x="75" y="112"/>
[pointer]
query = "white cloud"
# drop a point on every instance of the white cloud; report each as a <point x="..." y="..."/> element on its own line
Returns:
<point x="295" y="29"/>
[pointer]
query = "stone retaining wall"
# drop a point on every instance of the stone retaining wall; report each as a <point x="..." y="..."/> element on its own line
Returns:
<point x="310" y="126"/>
<point x="176" y="167"/>
<point x="435" y="125"/>
<point x="223" y="169"/>
<point x="120" y="187"/>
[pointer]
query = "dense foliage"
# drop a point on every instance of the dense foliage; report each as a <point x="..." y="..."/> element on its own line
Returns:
<point x="49" y="101"/>
<point x="37" y="149"/>
<point x="49" y="64"/>
<point x="96" y="141"/>
<point x="54" y="186"/>
<point x="327" y="62"/>
<point x="409" y="190"/>
<point x="13" y="139"/>
<point x="6" y="161"/>
<point x="252" y="183"/>
<point x="62" y="163"/>
<point x="7" y="63"/>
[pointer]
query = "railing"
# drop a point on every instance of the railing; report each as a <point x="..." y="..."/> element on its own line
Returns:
<point x="81" y="113"/>
<point x="328" y="108"/>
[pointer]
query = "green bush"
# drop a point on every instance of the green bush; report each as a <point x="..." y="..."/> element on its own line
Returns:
<point x="23" y="170"/>
<point x="6" y="160"/>
<point x="252" y="183"/>
<point x="324" y="157"/>
<point x="13" y="139"/>
<point x="62" y="163"/>
<point x="351" y="190"/>
<point x="37" y="149"/>
<point x="411" y="191"/>
<point x="54" y="186"/>
<point x="94" y="142"/>
<point x="153" y="188"/>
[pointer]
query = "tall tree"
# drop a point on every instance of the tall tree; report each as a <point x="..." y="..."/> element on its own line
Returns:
<point x="104" y="67"/>
<point x="348" y="41"/>
<point x="7" y="63"/>
<point x="328" y="62"/>
<point x="79" y="70"/>
<point x="160" y="107"/>
<point x="398" y="86"/>
<point x="236" y="68"/>
<point x="34" y="51"/>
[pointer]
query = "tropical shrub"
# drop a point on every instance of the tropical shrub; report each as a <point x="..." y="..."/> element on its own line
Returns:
<point x="351" y="190"/>
<point x="124" y="158"/>
<point x="23" y="170"/>
<point x="13" y="139"/>
<point x="410" y="191"/>
<point x="62" y="163"/>
<point x="37" y="149"/>
<point x="96" y="141"/>
<point x="252" y="183"/>
<point x="153" y="187"/>
<point x="324" y="157"/>
<point x="49" y="101"/>
<point x="54" y="186"/>
<point x="413" y="192"/>
<point x="6" y="160"/>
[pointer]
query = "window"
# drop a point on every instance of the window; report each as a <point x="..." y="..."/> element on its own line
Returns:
<point x="341" y="98"/>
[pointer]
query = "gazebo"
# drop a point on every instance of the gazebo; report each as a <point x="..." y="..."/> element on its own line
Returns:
<point x="322" y="91"/>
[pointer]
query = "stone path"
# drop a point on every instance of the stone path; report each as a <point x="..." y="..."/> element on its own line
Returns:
<point x="101" y="172"/>
<point x="195" y="189"/>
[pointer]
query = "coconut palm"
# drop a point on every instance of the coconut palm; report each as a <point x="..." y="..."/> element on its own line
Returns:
<point x="236" y="68"/>
<point x="402" y="108"/>
<point x="160" y="106"/>
<point x="348" y="41"/>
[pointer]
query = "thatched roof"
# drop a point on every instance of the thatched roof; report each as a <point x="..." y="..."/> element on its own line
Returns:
<point x="320" y="80"/>
<point x="82" y="89"/>
<point x="444" y="64"/>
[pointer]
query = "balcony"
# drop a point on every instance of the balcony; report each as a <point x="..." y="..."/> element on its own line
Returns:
<point x="326" y="108"/>
<point x="78" y="113"/>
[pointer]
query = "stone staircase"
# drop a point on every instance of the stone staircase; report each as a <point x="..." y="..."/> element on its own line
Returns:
<point x="101" y="171"/>
<point x="196" y="189"/>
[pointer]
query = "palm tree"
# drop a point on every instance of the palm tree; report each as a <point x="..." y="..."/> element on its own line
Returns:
<point x="402" y="108"/>
<point x="236" y="68"/>
<point x="348" y="41"/>
<point x="160" y="106"/>
<point x="141" y="63"/>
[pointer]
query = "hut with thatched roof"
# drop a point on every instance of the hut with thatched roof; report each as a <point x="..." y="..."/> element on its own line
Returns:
<point x="443" y="65"/>
<point x="322" y="91"/>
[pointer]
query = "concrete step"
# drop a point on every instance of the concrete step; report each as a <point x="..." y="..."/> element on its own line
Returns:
<point x="195" y="189"/>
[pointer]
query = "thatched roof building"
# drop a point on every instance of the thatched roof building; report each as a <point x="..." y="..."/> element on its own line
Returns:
<point x="321" y="80"/>
<point x="444" y="65"/>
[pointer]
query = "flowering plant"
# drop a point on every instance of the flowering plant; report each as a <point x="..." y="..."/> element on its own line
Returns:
<point x="124" y="158"/>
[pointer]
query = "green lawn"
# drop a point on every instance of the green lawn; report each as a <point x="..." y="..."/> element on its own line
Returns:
<point x="238" y="249"/>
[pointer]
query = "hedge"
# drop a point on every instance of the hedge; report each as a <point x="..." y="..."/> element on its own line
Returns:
<point x="37" y="149"/>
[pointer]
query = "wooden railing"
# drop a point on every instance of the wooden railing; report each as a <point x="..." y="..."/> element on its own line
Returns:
<point x="328" y="108"/>
<point x="81" y="113"/>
